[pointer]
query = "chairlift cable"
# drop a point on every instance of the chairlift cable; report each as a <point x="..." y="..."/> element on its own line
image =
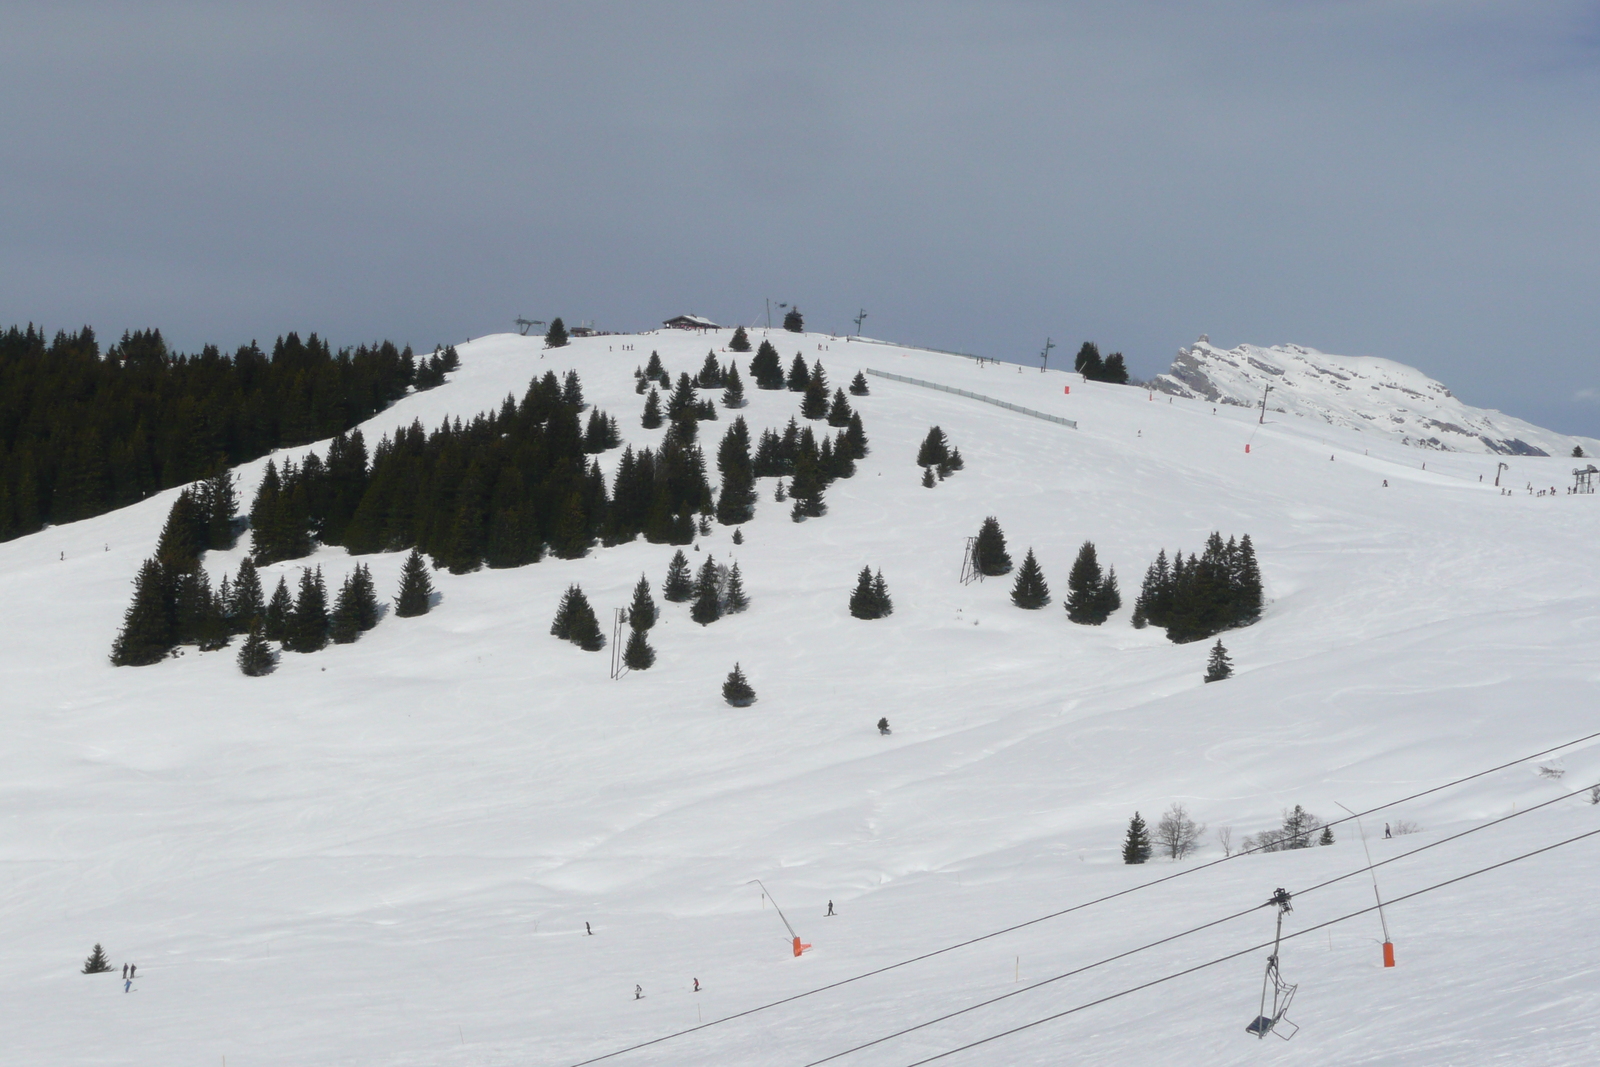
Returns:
<point x="1245" y="952"/>
<point x="1057" y="914"/>
<point x="1181" y="934"/>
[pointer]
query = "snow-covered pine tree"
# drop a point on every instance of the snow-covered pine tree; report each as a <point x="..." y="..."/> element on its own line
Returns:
<point x="638" y="655"/>
<point x="416" y="588"/>
<point x="642" y="612"/>
<point x="736" y="690"/>
<point x="1136" y="844"/>
<point x="1218" y="666"/>
<point x="992" y="557"/>
<point x="255" y="655"/>
<point x="679" y="585"/>
<point x="1030" y="589"/>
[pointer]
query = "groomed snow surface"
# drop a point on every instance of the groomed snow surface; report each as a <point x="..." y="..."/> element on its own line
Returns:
<point x="386" y="853"/>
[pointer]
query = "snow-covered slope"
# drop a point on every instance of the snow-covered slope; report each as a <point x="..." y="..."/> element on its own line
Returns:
<point x="388" y="852"/>
<point x="1377" y="396"/>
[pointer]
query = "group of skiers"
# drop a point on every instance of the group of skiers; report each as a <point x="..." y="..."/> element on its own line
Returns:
<point x="128" y="972"/>
<point x="638" y="990"/>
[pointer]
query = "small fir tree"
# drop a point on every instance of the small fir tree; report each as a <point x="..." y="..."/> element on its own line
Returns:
<point x="992" y="557"/>
<point x="1327" y="836"/>
<point x="814" y="404"/>
<point x="344" y="626"/>
<point x="1577" y="452"/>
<point x="736" y="690"/>
<point x="880" y="595"/>
<point x="858" y="384"/>
<point x="366" y="597"/>
<point x="839" y="411"/>
<point x="862" y="603"/>
<point x="793" y="321"/>
<point x="248" y="602"/>
<point x="556" y="337"/>
<point x="733" y="394"/>
<point x="1115" y="370"/>
<point x="740" y="342"/>
<point x="799" y="375"/>
<point x="707" y="607"/>
<point x="738" y="536"/>
<point x="1030" y="589"/>
<point x="652" y="410"/>
<point x="934" y="450"/>
<point x="1088" y="362"/>
<point x="1218" y="666"/>
<point x="97" y="962"/>
<point x="638" y="655"/>
<point x="416" y="588"/>
<point x="308" y="625"/>
<point x="928" y="480"/>
<point x="575" y="621"/>
<point x="275" y="621"/>
<point x="1085" y="588"/>
<point x="149" y="626"/>
<point x="1136" y="845"/>
<point x="679" y="584"/>
<point x="766" y="368"/>
<point x="734" y="599"/>
<point x="642" y="612"/>
<point x="255" y="655"/>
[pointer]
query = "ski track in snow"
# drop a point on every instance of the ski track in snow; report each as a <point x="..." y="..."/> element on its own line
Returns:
<point x="385" y="853"/>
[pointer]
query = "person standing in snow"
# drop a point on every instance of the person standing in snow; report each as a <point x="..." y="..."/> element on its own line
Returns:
<point x="638" y="992"/>
<point x="588" y="929"/>
<point x="830" y="910"/>
<point x="697" y="985"/>
<point x="124" y="972"/>
<point x="127" y="983"/>
<point x="883" y="725"/>
<point x="1386" y="832"/>
<point x="133" y="969"/>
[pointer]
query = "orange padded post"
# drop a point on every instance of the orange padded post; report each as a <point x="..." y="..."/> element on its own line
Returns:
<point x="798" y="947"/>
<point x="1388" y="954"/>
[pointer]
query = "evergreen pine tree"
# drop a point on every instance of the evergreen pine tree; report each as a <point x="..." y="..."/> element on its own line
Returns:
<point x="1110" y="598"/>
<point x="1085" y="595"/>
<point x="1327" y="836"/>
<point x="928" y="480"/>
<point x="575" y="621"/>
<point x="679" y="586"/>
<point x="308" y="625"/>
<point x="934" y="450"/>
<point x="738" y="537"/>
<point x="275" y="619"/>
<point x="1115" y="370"/>
<point x="97" y="962"/>
<point x="1218" y="666"/>
<point x="255" y="655"/>
<point x="642" y="612"/>
<point x="863" y="605"/>
<point x="1577" y="452"/>
<point x="856" y="437"/>
<point x="858" y="384"/>
<point x="652" y="410"/>
<point x="248" y="602"/>
<point x="992" y="557"/>
<point x="799" y="375"/>
<point x="572" y="391"/>
<point x="954" y="463"/>
<point x="740" y="342"/>
<point x="149" y="628"/>
<point x="654" y="369"/>
<point x="366" y="597"/>
<point x="1030" y="589"/>
<point x="707" y="607"/>
<point x="416" y="588"/>
<point x="710" y="376"/>
<point x="1136" y="845"/>
<point x="766" y="368"/>
<point x="345" y="626"/>
<point x="814" y="405"/>
<point x="793" y="321"/>
<point x="561" y="625"/>
<point x="839" y="411"/>
<point x="638" y="655"/>
<point x="734" y="599"/>
<point x="557" y="335"/>
<point x="733" y="395"/>
<point x="1088" y="362"/>
<point x="880" y="596"/>
<point x="736" y="690"/>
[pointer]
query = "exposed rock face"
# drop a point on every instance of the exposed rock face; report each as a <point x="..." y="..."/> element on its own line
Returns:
<point x="1359" y="392"/>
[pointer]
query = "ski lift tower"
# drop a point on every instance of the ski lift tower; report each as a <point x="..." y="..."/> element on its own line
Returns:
<point x="859" y="319"/>
<point x="1583" y="478"/>
<point x="524" y="325"/>
<point x="1044" y="356"/>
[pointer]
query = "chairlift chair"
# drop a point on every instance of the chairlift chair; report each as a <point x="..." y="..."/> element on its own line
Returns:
<point x="1282" y="992"/>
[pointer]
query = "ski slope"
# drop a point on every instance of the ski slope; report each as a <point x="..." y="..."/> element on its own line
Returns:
<point x="386" y="853"/>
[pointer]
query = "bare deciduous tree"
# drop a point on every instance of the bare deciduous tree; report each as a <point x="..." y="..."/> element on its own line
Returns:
<point x="1176" y="834"/>
<point x="1225" y="838"/>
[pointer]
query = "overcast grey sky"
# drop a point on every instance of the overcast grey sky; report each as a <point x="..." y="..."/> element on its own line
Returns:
<point x="1410" y="179"/>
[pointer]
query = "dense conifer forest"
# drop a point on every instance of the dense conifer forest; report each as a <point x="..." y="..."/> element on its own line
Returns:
<point x="83" y="432"/>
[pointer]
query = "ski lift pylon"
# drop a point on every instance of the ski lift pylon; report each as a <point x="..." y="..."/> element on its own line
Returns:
<point x="1282" y="992"/>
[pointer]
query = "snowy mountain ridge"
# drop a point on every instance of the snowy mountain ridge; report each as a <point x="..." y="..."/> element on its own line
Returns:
<point x="460" y="842"/>
<point x="1366" y="393"/>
